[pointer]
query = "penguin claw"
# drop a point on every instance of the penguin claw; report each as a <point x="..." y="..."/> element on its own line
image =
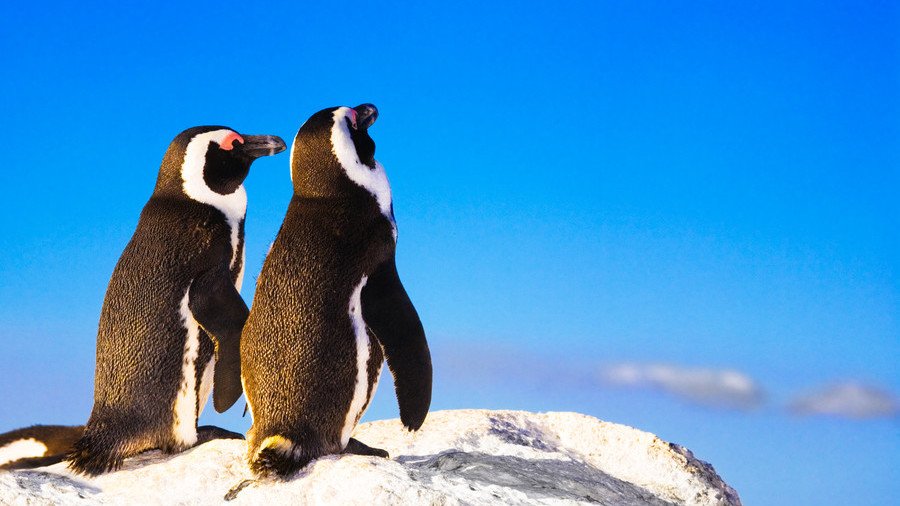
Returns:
<point x="356" y="447"/>
<point x="207" y="433"/>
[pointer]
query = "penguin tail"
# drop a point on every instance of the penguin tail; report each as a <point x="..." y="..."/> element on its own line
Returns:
<point x="37" y="446"/>
<point x="32" y="462"/>
<point x="92" y="455"/>
<point x="279" y="457"/>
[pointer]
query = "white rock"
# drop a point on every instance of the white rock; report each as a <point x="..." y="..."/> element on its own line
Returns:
<point x="459" y="457"/>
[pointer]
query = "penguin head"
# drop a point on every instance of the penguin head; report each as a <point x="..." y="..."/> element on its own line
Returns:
<point x="331" y="146"/>
<point x="209" y="163"/>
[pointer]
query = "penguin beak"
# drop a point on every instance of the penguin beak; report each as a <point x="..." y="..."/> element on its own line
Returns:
<point x="256" y="146"/>
<point x="366" y="114"/>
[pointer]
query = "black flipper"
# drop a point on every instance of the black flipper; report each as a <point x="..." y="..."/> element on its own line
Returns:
<point x="390" y="315"/>
<point x="219" y="309"/>
<point x="357" y="447"/>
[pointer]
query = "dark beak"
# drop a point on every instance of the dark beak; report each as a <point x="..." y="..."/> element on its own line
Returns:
<point x="366" y="114"/>
<point x="262" y="145"/>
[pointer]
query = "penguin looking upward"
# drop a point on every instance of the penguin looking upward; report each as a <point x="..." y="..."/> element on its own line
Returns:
<point x="171" y="320"/>
<point x="329" y="305"/>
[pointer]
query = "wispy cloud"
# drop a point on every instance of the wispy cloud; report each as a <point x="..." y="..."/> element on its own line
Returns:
<point x="726" y="388"/>
<point x="848" y="400"/>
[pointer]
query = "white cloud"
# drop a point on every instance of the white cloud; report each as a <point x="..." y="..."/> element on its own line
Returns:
<point x="712" y="387"/>
<point x="848" y="400"/>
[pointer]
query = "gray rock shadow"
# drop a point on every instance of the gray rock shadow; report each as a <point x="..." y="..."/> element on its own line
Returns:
<point x="531" y="435"/>
<point x="32" y="480"/>
<point x="35" y="481"/>
<point x="536" y="478"/>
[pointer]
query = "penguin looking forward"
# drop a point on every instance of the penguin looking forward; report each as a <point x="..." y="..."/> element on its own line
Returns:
<point x="170" y="325"/>
<point x="329" y="305"/>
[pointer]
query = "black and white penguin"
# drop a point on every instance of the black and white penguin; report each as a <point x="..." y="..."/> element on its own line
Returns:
<point x="329" y="305"/>
<point x="37" y="446"/>
<point x="171" y="320"/>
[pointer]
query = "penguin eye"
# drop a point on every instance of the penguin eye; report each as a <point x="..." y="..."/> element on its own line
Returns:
<point x="227" y="143"/>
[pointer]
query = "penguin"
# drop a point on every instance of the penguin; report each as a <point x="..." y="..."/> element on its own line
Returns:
<point x="329" y="306"/>
<point x="171" y="319"/>
<point x="37" y="446"/>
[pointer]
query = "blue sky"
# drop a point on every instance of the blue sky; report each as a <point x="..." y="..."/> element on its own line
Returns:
<point x="706" y="185"/>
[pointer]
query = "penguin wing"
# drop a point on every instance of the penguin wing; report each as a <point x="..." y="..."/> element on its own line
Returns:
<point x="221" y="312"/>
<point x="390" y="315"/>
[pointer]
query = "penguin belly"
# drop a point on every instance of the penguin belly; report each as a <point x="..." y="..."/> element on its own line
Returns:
<point x="364" y="387"/>
<point x="184" y="426"/>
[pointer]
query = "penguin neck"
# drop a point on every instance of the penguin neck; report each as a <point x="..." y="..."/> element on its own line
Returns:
<point x="195" y="185"/>
<point x="183" y="180"/>
<point x="341" y="195"/>
<point x="351" y="205"/>
<point x="233" y="205"/>
<point x="373" y="179"/>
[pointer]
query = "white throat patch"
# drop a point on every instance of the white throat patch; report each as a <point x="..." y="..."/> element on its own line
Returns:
<point x="374" y="180"/>
<point x="233" y="205"/>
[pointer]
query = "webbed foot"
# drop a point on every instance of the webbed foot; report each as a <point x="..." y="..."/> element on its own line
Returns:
<point x="357" y="448"/>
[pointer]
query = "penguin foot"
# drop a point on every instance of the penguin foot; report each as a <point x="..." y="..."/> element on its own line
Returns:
<point x="207" y="433"/>
<point x="356" y="447"/>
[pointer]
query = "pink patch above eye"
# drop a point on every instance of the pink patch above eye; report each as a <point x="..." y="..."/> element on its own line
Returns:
<point x="228" y="142"/>
<point x="353" y="117"/>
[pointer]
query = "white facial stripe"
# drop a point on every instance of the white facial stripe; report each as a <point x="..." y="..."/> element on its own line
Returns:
<point x="374" y="180"/>
<point x="233" y="205"/>
<point x="185" y="410"/>
<point x="361" y="390"/>
<point x="22" y="449"/>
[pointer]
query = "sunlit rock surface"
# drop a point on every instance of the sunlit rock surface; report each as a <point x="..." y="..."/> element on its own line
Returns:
<point x="459" y="457"/>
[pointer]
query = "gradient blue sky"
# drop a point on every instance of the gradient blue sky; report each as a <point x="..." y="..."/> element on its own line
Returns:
<point x="703" y="184"/>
